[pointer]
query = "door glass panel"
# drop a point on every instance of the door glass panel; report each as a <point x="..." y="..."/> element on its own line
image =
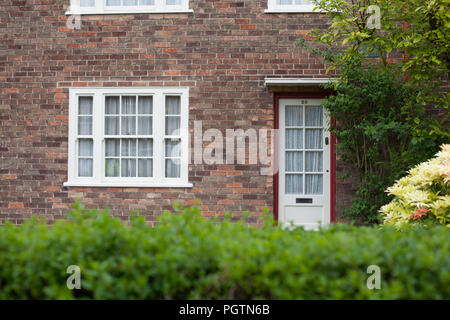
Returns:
<point x="294" y="184"/>
<point x="294" y="161"/>
<point x="294" y="116"/>
<point x="314" y="184"/>
<point x="294" y="138"/>
<point x="313" y="138"/>
<point x="304" y="149"/>
<point x="314" y="161"/>
<point x="314" y="116"/>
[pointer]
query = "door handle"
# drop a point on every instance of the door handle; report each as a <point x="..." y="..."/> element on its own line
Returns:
<point x="327" y="141"/>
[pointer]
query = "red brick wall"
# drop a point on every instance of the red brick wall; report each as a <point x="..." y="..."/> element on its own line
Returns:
<point x="222" y="51"/>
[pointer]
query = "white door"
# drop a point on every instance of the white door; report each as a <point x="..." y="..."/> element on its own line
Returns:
<point x="304" y="163"/>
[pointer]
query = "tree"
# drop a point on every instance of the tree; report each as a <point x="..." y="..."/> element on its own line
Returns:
<point x="418" y="28"/>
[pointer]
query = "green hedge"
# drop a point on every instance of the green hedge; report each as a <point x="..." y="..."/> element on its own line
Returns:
<point x="188" y="257"/>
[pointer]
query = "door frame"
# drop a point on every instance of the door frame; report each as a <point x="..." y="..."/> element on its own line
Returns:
<point x="304" y="95"/>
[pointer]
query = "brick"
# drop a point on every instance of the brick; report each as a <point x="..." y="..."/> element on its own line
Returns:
<point x="9" y="176"/>
<point x="222" y="52"/>
<point x="15" y="205"/>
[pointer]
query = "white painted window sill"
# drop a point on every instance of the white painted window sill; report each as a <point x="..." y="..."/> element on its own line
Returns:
<point x="93" y="12"/>
<point x="128" y="185"/>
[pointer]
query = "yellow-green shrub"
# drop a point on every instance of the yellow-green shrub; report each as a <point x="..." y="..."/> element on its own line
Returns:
<point x="423" y="196"/>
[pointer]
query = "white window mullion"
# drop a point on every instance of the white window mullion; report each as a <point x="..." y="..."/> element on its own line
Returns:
<point x="97" y="133"/>
<point x="158" y="134"/>
<point x="100" y="5"/>
<point x="160" y="5"/>
<point x="184" y="128"/>
<point x="72" y="156"/>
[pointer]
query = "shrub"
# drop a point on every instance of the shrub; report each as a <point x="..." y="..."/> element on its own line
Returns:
<point x="188" y="257"/>
<point x="422" y="197"/>
<point x="378" y="132"/>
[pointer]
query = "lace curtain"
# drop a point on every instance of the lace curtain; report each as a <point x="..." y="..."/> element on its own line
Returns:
<point x="128" y="157"/>
<point x="304" y="145"/>
<point x="173" y="151"/>
<point x="85" y="146"/>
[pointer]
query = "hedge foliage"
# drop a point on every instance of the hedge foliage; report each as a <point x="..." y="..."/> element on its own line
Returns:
<point x="187" y="257"/>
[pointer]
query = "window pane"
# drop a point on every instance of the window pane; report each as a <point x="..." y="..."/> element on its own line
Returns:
<point x="314" y="161"/>
<point x="87" y="3"/>
<point x="128" y="105"/>
<point x="113" y="2"/>
<point x="112" y="148"/>
<point x="145" y="148"/>
<point x="112" y="167"/>
<point x="145" y="125"/>
<point x="128" y="167"/>
<point x="314" y="184"/>
<point x="85" y="125"/>
<point x="147" y="2"/>
<point x="294" y="161"/>
<point x="294" y="116"/>
<point x="145" y="105"/>
<point x="173" y="2"/>
<point x="172" y="168"/>
<point x="173" y="105"/>
<point x="129" y="147"/>
<point x="112" y="105"/>
<point x="85" y="147"/>
<point x="313" y="138"/>
<point x="85" y="105"/>
<point x="128" y="125"/>
<point x="294" y="184"/>
<point x="129" y="2"/>
<point x="145" y="168"/>
<point x="173" y="125"/>
<point x="294" y="138"/>
<point x="111" y="125"/>
<point x="173" y="148"/>
<point x="85" y="167"/>
<point x="314" y="116"/>
<point x="284" y="2"/>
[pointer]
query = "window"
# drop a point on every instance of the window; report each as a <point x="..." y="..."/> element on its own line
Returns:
<point x="127" y="6"/>
<point x="290" y="6"/>
<point x="135" y="137"/>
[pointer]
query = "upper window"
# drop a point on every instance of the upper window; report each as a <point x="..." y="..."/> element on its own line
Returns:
<point x="128" y="137"/>
<point x="290" y="6"/>
<point x="127" y="6"/>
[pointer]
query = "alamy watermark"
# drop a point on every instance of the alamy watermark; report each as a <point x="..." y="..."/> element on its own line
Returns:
<point x="74" y="20"/>
<point x="374" y="20"/>
<point x="74" y="280"/>
<point x="374" y="280"/>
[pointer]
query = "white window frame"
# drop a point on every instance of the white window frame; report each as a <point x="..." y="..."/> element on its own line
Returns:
<point x="273" y="7"/>
<point x="101" y="8"/>
<point x="99" y="178"/>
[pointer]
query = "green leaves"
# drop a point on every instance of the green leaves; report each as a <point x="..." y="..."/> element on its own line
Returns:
<point x="381" y="129"/>
<point x="420" y="29"/>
